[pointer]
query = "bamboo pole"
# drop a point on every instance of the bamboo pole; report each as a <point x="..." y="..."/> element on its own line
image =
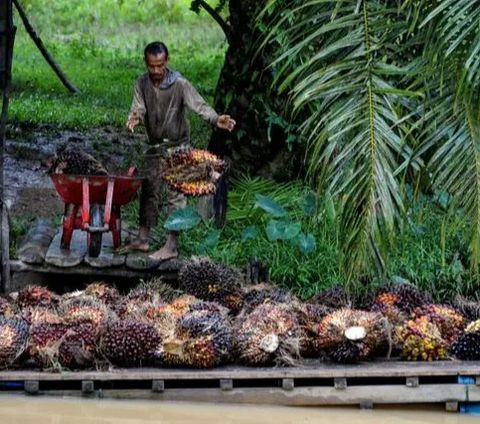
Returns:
<point x="38" y="42"/>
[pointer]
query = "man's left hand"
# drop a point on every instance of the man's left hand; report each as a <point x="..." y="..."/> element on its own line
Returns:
<point x="225" y="123"/>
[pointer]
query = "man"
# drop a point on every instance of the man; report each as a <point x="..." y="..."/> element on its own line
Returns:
<point x="161" y="101"/>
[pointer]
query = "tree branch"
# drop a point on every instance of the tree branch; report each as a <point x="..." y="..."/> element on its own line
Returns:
<point x="38" y="42"/>
<point x="216" y="16"/>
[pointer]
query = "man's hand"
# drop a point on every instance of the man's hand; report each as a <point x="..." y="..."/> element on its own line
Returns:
<point x="133" y="120"/>
<point x="225" y="123"/>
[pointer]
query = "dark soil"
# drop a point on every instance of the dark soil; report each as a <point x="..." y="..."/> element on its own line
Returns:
<point x="29" y="191"/>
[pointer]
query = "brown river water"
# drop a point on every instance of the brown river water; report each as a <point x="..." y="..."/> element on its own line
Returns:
<point x="24" y="410"/>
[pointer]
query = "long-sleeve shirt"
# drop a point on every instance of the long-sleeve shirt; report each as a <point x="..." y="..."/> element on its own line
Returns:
<point x="164" y="109"/>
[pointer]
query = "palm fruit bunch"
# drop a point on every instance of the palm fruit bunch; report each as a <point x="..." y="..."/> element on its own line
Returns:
<point x="264" y="293"/>
<point x="7" y="309"/>
<point x="467" y="346"/>
<point x="203" y="339"/>
<point x="333" y="297"/>
<point x="13" y="339"/>
<point x="36" y="296"/>
<point x="201" y="305"/>
<point x="78" y="346"/>
<point x="103" y="292"/>
<point x="310" y="316"/>
<point x="44" y="342"/>
<point x="74" y="161"/>
<point x="473" y="327"/>
<point x="449" y="322"/>
<point x="392" y="306"/>
<point x="269" y="335"/>
<point x="151" y="292"/>
<point x="213" y="282"/>
<point x="87" y="310"/>
<point x="130" y="343"/>
<point x="34" y="316"/>
<point x="351" y="335"/>
<point x="470" y="309"/>
<point x="420" y="339"/>
<point x="411" y="297"/>
<point x="193" y="172"/>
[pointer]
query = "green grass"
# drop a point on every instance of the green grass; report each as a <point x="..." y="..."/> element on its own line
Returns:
<point x="99" y="45"/>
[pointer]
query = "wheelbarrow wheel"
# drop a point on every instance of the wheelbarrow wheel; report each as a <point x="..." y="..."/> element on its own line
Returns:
<point x="95" y="239"/>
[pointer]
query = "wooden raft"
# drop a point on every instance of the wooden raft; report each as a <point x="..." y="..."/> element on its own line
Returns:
<point x="40" y="251"/>
<point x="308" y="385"/>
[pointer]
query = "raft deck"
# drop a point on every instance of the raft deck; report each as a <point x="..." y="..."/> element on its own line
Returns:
<point x="40" y="252"/>
<point x="311" y="384"/>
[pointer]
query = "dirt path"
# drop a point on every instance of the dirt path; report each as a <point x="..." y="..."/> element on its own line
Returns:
<point x="29" y="190"/>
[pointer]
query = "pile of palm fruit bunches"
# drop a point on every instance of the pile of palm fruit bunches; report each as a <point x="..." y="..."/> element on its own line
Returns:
<point x="214" y="318"/>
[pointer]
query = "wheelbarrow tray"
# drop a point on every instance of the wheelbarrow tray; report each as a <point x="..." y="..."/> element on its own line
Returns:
<point x="70" y="190"/>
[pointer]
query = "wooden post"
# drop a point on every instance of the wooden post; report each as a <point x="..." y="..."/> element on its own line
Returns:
<point x="7" y="34"/>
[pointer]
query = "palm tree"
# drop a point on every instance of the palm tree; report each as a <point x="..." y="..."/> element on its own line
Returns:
<point x="384" y="89"/>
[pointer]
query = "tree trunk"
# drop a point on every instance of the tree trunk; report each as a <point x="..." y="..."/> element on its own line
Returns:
<point x="244" y="92"/>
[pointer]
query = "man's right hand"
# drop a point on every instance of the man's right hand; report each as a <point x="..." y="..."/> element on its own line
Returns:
<point x="133" y="120"/>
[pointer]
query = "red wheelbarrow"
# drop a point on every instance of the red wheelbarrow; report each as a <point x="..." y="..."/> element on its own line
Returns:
<point x="86" y="197"/>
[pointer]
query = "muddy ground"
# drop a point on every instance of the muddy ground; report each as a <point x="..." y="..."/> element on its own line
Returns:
<point x="29" y="190"/>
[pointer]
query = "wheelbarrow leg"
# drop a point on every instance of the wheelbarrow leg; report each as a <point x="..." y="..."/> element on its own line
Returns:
<point x="68" y="225"/>
<point x="115" y="227"/>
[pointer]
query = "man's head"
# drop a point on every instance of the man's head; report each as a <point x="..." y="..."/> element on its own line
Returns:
<point x="156" y="59"/>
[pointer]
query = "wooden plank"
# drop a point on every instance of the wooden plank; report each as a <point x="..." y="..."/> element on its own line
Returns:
<point x="19" y="266"/>
<point x="319" y="370"/>
<point x="141" y="261"/>
<point x="64" y="258"/>
<point x="107" y="258"/>
<point x="300" y="396"/>
<point x="34" y="245"/>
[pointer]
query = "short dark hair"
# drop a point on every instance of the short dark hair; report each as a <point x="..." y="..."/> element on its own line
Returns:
<point x="156" y="48"/>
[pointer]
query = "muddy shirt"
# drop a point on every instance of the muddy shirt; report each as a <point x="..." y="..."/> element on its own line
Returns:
<point x="164" y="109"/>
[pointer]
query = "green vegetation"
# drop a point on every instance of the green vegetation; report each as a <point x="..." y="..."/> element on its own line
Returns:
<point x="361" y="86"/>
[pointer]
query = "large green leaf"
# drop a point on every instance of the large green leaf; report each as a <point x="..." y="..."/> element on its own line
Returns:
<point x="182" y="219"/>
<point x="307" y="243"/>
<point x="282" y="230"/>
<point x="269" y="205"/>
<point x="249" y="233"/>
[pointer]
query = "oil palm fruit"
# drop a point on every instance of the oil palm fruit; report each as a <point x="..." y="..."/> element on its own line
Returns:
<point x="39" y="315"/>
<point x="78" y="346"/>
<point x="473" y="326"/>
<point x="449" y="322"/>
<point x="310" y="316"/>
<point x="35" y="296"/>
<point x="203" y="339"/>
<point x="467" y="346"/>
<point x="269" y="335"/>
<point x="470" y="309"/>
<point x="44" y="341"/>
<point x="350" y="335"/>
<point x="7" y="309"/>
<point x="333" y="297"/>
<point x="193" y="172"/>
<point x="74" y="161"/>
<point x="103" y="292"/>
<point x="13" y="339"/>
<point x="130" y="343"/>
<point x="154" y="291"/>
<point x="420" y="339"/>
<point x="213" y="282"/>
<point x="264" y="293"/>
